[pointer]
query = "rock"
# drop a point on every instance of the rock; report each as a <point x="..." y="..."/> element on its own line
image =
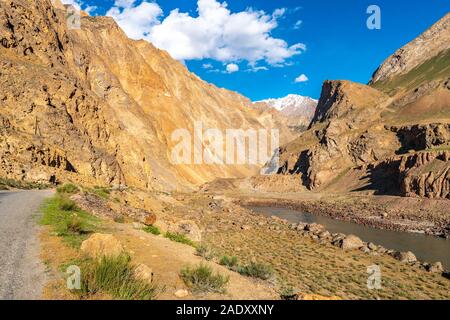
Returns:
<point x="181" y="293"/>
<point x="436" y="267"/>
<point x="372" y="246"/>
<point x="99" y="245"/>
<point x="149" y="219"/>
<point x="314" y="228"/>
<point x="351" y="242"/>
<point x="365" y="249"/>
<point x="138" y="225"/>
<point x="187" y="228"/>
<point x="143" y="272"/>
<point x="246" y="227"/>
<point x="301" y="226"/>
<point x="405" y="257"/>
<point x="324" y="235"/>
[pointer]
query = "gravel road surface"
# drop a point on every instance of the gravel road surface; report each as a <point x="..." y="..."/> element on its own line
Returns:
<point x="22" y="274"/>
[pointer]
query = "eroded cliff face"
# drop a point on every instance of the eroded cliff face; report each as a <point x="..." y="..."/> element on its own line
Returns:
<point x="95" y="107"/>
<point x="361" y="134"/>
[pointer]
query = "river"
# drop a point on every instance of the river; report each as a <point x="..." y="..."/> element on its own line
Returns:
<point x="426" y="248"/>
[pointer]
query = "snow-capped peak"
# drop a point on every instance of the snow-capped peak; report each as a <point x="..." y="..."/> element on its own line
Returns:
<point x="293" y="105"/>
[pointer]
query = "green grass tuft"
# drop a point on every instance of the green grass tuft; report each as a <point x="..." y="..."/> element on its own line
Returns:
<point x="153" y="230"/>
<point x="204" y="251"/>
<point x="68" y="188"/>
<point x="229" y="262"/>
<point x="115" y="276"/>
<point x="177" y="237"/>
<point x="201" y="279"/>
<point x="68" y="221"/>
<point x="256" y="270"/>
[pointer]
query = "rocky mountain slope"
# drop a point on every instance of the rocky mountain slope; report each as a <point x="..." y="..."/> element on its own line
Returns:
<point x="299" y="110"/>
<point x="92" y="106"/>
<point x="389" y="137"/>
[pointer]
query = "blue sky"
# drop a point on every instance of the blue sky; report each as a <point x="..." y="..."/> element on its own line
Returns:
<point x="338" y="43"/>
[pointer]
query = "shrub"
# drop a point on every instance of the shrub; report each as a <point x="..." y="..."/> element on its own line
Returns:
<point x="75" y="225"/>
<point x="205" y="252"/>
<point x="115" y="276"/>
<point x="201" y="279"/>
<point x="102" y="192"/>
<point x="181" y="238"/>
<point x="288" y="292"/>
<point x="68" y="188"/>
<point x="67" y="205"/>
<point x="256" y="270"/>
<point x="230" y="262"/>
<point x="153" y="230"/>
<point x="72" y="225"/>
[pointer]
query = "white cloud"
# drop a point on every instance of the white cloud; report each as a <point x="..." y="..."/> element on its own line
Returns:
<point x="136" y="21"/>
<point x="207" y="66"/>
<point x="301" y="78"/>
<point x="232" y="67"/>
<point x="216" y="33"/>
<point x="298" y="24"/>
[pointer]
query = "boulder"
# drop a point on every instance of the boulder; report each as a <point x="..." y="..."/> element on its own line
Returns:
<point x="101" y="245"/>
<point x="324" y="235"/>
<point x="351" y="242"/>
<point x="181" y="293"/>
<point x="143" y="272"/>
<point x="149" y="219"/>
<point x="436" y="267"/>
<point x="405" y="257"/>
<point x="315" y="228"/>
<point x="187" y="228"/>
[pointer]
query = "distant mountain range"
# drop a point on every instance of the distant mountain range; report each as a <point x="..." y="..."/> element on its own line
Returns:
<point x="299" y="109"/>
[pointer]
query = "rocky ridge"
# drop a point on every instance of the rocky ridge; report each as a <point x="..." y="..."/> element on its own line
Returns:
<point x="378" y="135"/>
<point x="92" y="106"/>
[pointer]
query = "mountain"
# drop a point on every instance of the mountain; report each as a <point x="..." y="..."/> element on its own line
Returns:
<point x="389" y="137"/>
<point x="92" y="106"/>
<point x="298" y="109"/>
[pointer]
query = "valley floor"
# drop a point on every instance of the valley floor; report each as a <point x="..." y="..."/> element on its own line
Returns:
<point x="305" y="265"/>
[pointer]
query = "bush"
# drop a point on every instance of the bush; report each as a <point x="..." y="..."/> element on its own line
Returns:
<point x="181" y="238"/>
<point x="67" y="205"/>
<point x="288" y="292"/>
<point x="68" y="188"/>
<point x="153" y="230"/>
<point x="67" y="221"/>
<point x="115" y="276"/>
<point x="201" y="279"/>
<point x="256" y="270"/>
<point x="229" y="262"/>
<point x="205" y="252"/>
<point x="75" y="225"/>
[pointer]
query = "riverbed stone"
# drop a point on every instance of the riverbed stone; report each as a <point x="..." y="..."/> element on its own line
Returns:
<point x="315" y="228"/>
<point x="324" y="235"/>
<point x="351" y="242"/>
<point x="436" y="267"/>
<point x="301" y="226"/>
<point x="405" y="257"/>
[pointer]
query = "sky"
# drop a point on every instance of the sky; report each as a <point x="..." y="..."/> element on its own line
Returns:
<point x="269" y="49"/>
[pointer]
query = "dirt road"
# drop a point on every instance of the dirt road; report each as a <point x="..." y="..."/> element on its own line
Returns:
<point x="22" y="274"/>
